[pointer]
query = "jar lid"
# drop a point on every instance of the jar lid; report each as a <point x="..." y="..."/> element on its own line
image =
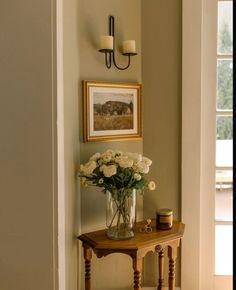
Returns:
<point x="164" y="211"/>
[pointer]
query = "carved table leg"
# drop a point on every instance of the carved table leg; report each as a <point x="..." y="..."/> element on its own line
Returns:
<point x="172" y="254"/>
<point x="137" y="266"/>
<point x="87" y="260"/>
<point x="161" y="270"/>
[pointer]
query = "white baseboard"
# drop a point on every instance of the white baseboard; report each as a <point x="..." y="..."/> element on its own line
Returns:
<point x="154" y="288"/>
<point x="148" y="288"/>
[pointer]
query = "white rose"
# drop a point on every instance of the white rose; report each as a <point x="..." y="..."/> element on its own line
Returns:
<point x="106" y="157"/>
<point x="142" y="167"/>
<point x="110" y="170"/>
<point x="137" y="176"/>
<point x="110" y="152"/>
<point x="147" y="161"/>
<point x="88" y="167"/>
<point x="151" y="185"/>
<point x="126" y="163"/>
<point x="120" y="158"/>
<point x="95" y="156"/>
<point x="102" y="167"/>
<point x="134" y="156"/>
<point x="81" y="167"/>
<point x="83" y="181"/>
<point x="118" y="152"/>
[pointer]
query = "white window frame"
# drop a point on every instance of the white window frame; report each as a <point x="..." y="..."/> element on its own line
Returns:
<point x="223" y="281"/>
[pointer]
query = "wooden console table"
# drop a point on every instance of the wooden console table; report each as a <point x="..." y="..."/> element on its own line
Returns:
<point x="136" y="248"/>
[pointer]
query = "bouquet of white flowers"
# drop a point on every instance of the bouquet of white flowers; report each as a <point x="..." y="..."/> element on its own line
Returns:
<point x="116" y="171"/>
<point x="119" y="174"/>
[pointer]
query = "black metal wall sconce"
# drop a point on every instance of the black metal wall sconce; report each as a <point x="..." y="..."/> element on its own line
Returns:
<point x="107" y="46"/>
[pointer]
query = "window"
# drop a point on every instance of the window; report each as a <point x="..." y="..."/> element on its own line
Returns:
<point x="224" y="147"/>
<point x="207" y="145"/>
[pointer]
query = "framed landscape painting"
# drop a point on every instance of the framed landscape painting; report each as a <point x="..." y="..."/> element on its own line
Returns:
<point x="111" y="111"/>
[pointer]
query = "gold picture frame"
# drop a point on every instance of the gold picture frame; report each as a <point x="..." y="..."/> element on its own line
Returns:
<point x="111" y="111"/>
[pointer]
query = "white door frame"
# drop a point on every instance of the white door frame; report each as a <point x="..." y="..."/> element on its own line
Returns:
<point x="198" y="143"/>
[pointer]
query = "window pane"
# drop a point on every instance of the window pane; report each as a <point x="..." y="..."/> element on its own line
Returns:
<point x="224" y="153"/>
<point x="224" y="195"/>
<point x="225" y="24"/>
<point x="224" y="84"/>
<point x="224" y="128"/>
<point x="223" y="249"/>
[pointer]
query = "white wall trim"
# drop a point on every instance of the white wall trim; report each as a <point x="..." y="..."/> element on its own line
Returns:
<point x="198" y="112"/>
<point x="154" y="288"/>
<point x="60" y="154"/>
<point x="208" y="143"/>
<point x="191" y="102"/>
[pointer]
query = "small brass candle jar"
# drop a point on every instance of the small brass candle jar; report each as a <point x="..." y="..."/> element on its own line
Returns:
<point x="164" y="219"/>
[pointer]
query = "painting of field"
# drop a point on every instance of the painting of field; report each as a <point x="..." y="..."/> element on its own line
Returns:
<point x="113" y="113"/>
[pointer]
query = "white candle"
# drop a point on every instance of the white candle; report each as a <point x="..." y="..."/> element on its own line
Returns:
<point x="106" y="42"/>
<point x="129" y="46"/>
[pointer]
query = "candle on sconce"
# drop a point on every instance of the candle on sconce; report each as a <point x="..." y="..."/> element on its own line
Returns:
<point x="129" y="46"/>
<point x="106" y="42"/>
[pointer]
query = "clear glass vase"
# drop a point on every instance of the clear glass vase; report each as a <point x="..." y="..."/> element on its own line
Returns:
<point x="120" y="215"/>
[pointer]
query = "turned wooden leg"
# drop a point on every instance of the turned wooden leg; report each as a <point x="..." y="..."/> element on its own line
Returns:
<point x="137" y="266"/>
<point x="161" y="270"/>
<point x="87" y="261"/>
<point x="172" y="254"/>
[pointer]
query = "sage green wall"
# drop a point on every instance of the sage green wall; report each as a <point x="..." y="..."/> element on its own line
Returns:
<point x="28" y="239"/>
<point x="161" y="77"/>
<point x="93" y="22"/>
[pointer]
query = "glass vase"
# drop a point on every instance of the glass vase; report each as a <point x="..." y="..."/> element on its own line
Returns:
<point x="120" y="214"/>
